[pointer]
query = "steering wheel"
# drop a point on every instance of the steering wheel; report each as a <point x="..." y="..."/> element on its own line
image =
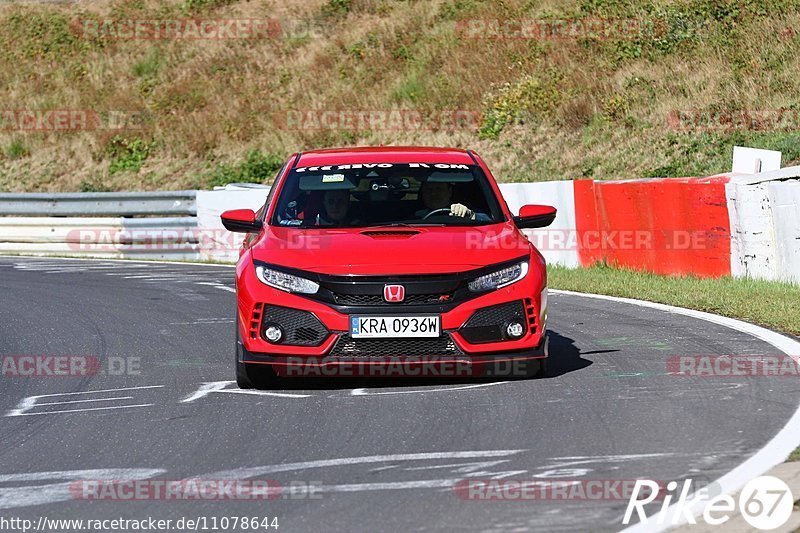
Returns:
<point x="435" y="211"/>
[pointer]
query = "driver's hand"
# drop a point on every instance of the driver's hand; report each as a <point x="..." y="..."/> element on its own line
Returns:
<point x="460" y="210"/>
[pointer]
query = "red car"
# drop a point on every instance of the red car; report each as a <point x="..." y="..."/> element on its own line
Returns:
<point x="405" y="258"/>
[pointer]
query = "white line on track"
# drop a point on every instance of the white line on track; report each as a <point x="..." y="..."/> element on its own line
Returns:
<point x="773" y="453"/>
<point x="29" y="402"/>
<point x="219" y="286"/>
<point x="107" y="260"/>
<point x="390" y="485"/>
<point x="221" y="386"/>
<point x="97" y="391"/>
<point x="86" y="401"/>
<point x="84" y="410"/>
<point x="63" y="490"/>
<point x="363" y="392"/>
<point x="204" y="322"/>
<point x="155" y="277"/>
<point x="249" y="472"/>
<point x="265" y="393"/>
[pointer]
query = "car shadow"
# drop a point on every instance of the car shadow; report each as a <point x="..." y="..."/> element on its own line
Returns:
<point x="565" y="357"/>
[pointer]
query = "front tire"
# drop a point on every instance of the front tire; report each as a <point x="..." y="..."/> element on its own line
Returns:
<point x="251" y="376"/>
<point x="537" y="368"/>
<point x="243" y="379"/>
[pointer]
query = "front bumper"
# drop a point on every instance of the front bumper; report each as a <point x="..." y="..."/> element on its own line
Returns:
<point x="508" y="364"/>
<point x="472" y="331"/>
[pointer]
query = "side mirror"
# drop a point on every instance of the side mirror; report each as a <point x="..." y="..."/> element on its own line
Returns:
<point x="241" y="221"/>
<point x="535" y="216"/>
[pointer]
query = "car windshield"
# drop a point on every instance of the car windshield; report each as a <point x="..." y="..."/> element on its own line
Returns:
<point x="370" y="194"/>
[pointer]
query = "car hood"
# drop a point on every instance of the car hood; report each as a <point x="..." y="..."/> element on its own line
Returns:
<point x="390" y="250"/>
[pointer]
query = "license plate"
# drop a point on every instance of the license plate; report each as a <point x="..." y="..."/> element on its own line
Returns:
<point x="387" y="327"/>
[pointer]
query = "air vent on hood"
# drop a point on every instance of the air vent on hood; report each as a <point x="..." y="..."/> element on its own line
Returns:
<point x="389" y="233"/>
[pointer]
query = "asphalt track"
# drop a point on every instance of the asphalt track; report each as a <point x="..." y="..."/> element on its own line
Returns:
<point x="382" y="455"/>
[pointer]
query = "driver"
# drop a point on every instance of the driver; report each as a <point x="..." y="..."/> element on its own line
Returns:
<point x="336" y="204"/>
<point x="438" y="195"/>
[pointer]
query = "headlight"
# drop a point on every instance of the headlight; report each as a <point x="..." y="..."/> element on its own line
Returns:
<point x="286" y="282"/>
<point x="501" y="278"/>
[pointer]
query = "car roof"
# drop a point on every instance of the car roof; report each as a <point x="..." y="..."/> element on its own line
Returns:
<point x="385" y="154"/>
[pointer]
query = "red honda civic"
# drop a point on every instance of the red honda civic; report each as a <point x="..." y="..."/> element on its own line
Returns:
<point x="388" y="261"/>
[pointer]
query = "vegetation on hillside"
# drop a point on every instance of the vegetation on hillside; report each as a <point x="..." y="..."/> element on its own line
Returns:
<point x="203" y="112"/>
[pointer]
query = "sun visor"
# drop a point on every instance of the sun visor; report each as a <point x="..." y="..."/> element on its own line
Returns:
<point x="458" y="176"/>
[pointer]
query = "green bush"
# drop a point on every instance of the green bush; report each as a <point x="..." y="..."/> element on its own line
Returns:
<point x="93" y="184"/>
<point x="40" y="36"/>
<point x="17" y="150"/>
<point x="337" y="8"/>
<point x="257" y="167"/>
<point x="194" y="6"/>
<point x="128" y="155"/>
<point x="150" y="64"/>
<point x="529" y="98"/>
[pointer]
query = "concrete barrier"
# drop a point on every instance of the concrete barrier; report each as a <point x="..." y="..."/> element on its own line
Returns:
<point x="764" y="213"/>
<point x="216" y="243"/>
<point x="784" y="200"/>
<point x="745" y="225"/>
<point x="665" y="226"/>
<point x="556" y="242"/>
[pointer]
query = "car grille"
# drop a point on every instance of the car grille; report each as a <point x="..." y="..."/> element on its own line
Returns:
<point x="377" y="299"/>
<point x="442" y="346"/>
<point x="433" y="290"/>
<point x="300" y="327"/>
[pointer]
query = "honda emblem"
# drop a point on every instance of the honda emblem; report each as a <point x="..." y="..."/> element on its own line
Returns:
<point x="394" y="293"/>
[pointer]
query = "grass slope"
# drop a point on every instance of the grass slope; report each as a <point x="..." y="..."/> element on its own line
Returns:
<point x="768" y="303"/>
<point x="548" y="109"/>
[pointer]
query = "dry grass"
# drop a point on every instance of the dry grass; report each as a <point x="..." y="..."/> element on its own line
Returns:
<point x="207" y="103"/>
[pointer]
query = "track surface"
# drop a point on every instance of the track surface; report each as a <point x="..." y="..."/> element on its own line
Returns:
<point x="610" y="411"/>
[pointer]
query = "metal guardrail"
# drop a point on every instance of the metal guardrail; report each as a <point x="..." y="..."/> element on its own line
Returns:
<point x="101" y="224"/>
<point x="94" y="229"/>
<point x="153" y="225"/>
<point x="117" y="237"/>
<point x="121" y="204"/>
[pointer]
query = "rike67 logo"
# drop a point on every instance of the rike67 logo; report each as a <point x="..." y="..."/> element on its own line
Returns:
<point x="765" y="503"/>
